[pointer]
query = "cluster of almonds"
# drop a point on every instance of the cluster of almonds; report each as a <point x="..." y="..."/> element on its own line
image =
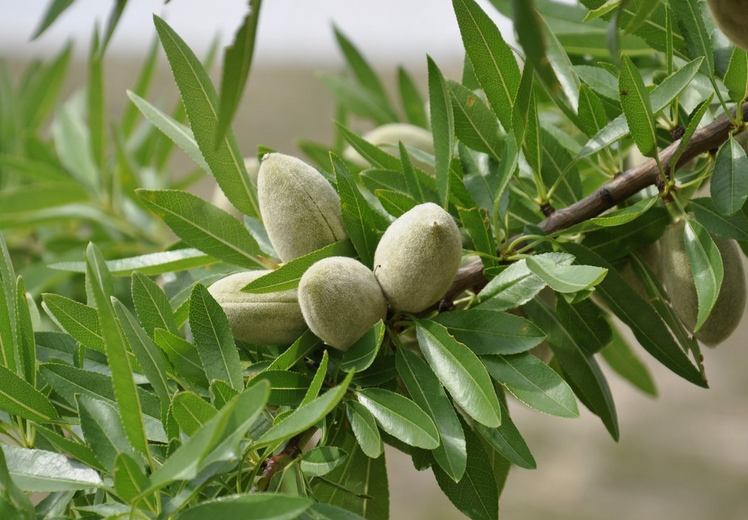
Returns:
<point x="338" y="298"/>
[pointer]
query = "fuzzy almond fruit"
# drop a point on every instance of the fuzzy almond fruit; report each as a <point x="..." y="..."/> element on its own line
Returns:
<point x="260" y="319"/>
<point x="679" y="284"/>
<point x="341" y="299"/>
<point x="418" y="257"/>
<point x="300" y="209"/>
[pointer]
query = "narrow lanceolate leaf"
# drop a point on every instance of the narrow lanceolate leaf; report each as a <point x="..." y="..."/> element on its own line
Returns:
<point x="129" y="479"/>
<point x="319" y="378"/>
<point x="150" y="264"/>
<point x="218" y="440"/>
<point x="14" y="502"/>
<point x="214" y="340"/>
<point x="412" y="102"/>
<point x="734" y="226"/>
<point x="287" y="388"/>
<point x="362" y="223"/>
<point x="706" y="266"/>
<point x="476" y="222"/>
<point x="425" y="389"/>
<point x="729" y="185"/>
<point x="191" y="412"/>
<point x="508" y="442"/>
<point x="201" y="104"/>
<point x="149" y="357"/>
<point x="7" y="309"/>
<point x="689" y="16"/>
<point x="475" y="123"/>
<point x="257" y="506"/>
<point x="400" y="417"/>
<point x="103" y="430"/>
<point x="637" y="107"/>
<point x="365" y="429"/>
<point x="443" y="128"/>
<point x="514" y="286"/>
<point x="488" y="331"/>
<point x="493" y="61"/>
<point x="623" y="360"/>
<point x="237" y="61"/>
<point x="322" y="460"/>
<point x="638" y="314"/>
<point x="125" y="391"/>
<point x="581" y="368"/>
<point x="306" y="416"/>
<point x="183" y="356"/>
<point x="565" y="278"/>
<point x="534" y="383"/>
<point x="736" y="77"/>
<point x="476" y="494"/>
<point x="204" y="226"/>
<point x="25" y="333"/>
<point x="180" y="134"/>
<point x="17" y="397"/>
<point x="461" y="373"/>
<point x="77" y="319"/>
<point x="151" y="304"/>
<point x="46" y="471"/>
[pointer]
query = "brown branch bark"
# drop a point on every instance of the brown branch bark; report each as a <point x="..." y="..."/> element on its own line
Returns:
<point x="274" y="464"/>
<point x="616" y="191"/>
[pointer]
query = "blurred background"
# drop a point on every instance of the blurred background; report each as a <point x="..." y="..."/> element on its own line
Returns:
<point x="682" y="456"/>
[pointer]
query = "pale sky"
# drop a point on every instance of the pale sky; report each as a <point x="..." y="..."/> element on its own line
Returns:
<point x="290" y="30"/>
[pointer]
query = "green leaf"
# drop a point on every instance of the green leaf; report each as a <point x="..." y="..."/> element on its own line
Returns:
<point x="514" y="286"/>
<point x="736" y="77"/>
<point x="204" y="226"/>
<point x="635" y="312"/>
<point x="191" y="412"/>
<point x="25" y="332"/>
<point x="613" y="244"/>
<point x="374" y="155"/>
<point x="493" y="60"/>
<point x="534" y="383"/>
<point x="150" y="264"/>
<point x="129" y="479"/>
<point x="214" y="340"/>
<point x="362" y="353"/>
<point x="180" y="134"/>
<point x="365" y="429"/>
<point x="27" y="199"/>
<point x="583" y="371"/>
<point x="42" y="94"/>
<point x="288" y="275"/>
<point x="125" y="391"/>
<point x="218" y="440"/>
<point x="565" y="278"/>
<point x="151" y="304"/>
<point x="358" y="99"/>
<point x="476" y="494"/>
<point x="183" y="356"/>
<point x="400" y="417"/>
<point x="475" y="123"/>
<point x="201" y="104"/>
<point x="7" y="309"/>
<point x="221" y="393"/>
<point x="729" y="184"/>
<point x="305" y="416"/>
<point x="394" y="202"/>
<point x="411" y="99"/>
<point x="660" y="97"/>
<point x="477" y="223"/>
<point x="706" y="265"/>
<point x="62" y="444"/>
<point x="696" y="116"/>
<point x="637" y="108"/>
<point x="362" y="223"/>
<point x="322" y="460"/>
<point x="14" y="504"/>
<point x="302" y="347"/>
<point x="508" y="442"/>
<point x="149" y="357"/>
<point x="77" y="319"/>
<point x="45" y="471"/>
<point x="425" y="389"/>
<point x="623" y="360"/>
<point x="95" y="103"/>
<point x="442" y="127"/>
<point x="103" y="430"/>
<point x="17" y="397"/>
<point x="142" y="85"/>
<point x="706" y="213"/>
<point x="287" y="388"/>
<point x="362" y="70"/>
<point x="237" y="61"/>
<point x="691" y="21"/>
<point x="592" y="116"/>
<point x="460" y="371"/>
<point x="73" y="146"/>
<point x="319" y="378"/>
<point x="55" y="9"/>
<point x="487" y="331"/>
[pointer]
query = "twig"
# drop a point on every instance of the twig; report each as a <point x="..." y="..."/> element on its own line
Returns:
<point x="287" y="455"/>
<point x="616" y="191"/>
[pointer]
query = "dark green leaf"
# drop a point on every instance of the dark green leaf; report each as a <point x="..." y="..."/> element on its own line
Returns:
<point x="507" y="441"/>
<point x="322" y="460"/>
<point x="706" y="213"/>
<point x="191" y="412"/>
<point x="624" y="361"/>
<point x="257" y="506"/>
<point x="637" y="108"/>
<point x="151" y="304"/>
<point x="736" y="78"/>
<point x="706" y="265"/>
<point x="475" y="123"/>
<point x="487" y="331"/>
<point x="443" y="128"/>
<point x="400" y="417"/>
<point x="365" y="429"/>
<point x="362" y="353"/>
<point x="103" y="430"/>
<point x="691" y="21"/>
<point x="729" y="184"/>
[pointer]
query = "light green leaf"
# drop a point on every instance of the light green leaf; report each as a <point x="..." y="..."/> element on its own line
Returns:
<point x="400" y="417"/>
<point x="365" y="429"/>
<point x="13" y="502"/>
<point x="736" y="77"/>
<point x="17" y="397"/>
<point x="514" y="286"/>
<point x="214" y="340"/>
<point x="411" y="99"/>
<point x="191" y="412"/>
<point x="487" y="331"/>
<point x="706" y="265"/>
<point x="183" y="355"/>
<point x="475" y="123"/>
<point x="637" y="108"/>
<point x="442" y="127"/>
<point x="460" y="371"/>
<point x="45" y="471"/>
<point x="150" y="264"/>
<point x="362" y="353"/>
<point x="204" y="226"/>
<point x="258" y="506"/>
<point x="698" y="42"/>
<point x="322" y="460"/>
<point x="734" y="226"/>
<point x="103" y="430"/>
<point x="729" y="184"/>
<point x="129" y="479"/>
<point x="151" y="304"/>
<point x="565" y="278"/>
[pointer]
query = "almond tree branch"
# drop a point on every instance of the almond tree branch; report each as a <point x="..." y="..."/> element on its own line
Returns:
<point x="616" y="191"/>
